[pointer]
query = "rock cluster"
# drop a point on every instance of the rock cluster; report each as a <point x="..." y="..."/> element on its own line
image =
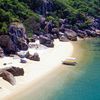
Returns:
<point x="34" y="57"/>
<point x="16" y="39"/>
<point x="9" y="73"/>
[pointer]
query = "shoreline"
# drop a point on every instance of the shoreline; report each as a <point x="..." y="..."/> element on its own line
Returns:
<point x="34" y="71"/>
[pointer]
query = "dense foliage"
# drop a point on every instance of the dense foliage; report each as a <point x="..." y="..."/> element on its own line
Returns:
<point x="13" y="10"/>
<point x="76" y="11"/>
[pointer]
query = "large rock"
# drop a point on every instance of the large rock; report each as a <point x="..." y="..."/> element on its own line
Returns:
<point x="46" y="41"/>
<point x="8" y="77"/>
<point x="63" y="38"/>
<point x="7" y="44"/>
<point x="15" y="71"/>
<point x="17" y="34"/>
<point x="1" y="52"/>
<point x="71" y="35"/>
<point x="91" y="33"/>
<point x="35" y="57"/>
<point x="81" y="34"/>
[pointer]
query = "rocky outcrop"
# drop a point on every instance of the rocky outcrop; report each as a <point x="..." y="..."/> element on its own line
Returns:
<point x="1" y="53"/>
<point x="8" y="77"/>
<point x="18" y="35"/>
<point x="46" y="41"/>
<point x="7" y="44"/>
<point x="16" y="40"/>
<point x="9" y="73"/>
<point x="90" y="33"/>
<point x="81" y="34"/>
<point x="71" y="35"/>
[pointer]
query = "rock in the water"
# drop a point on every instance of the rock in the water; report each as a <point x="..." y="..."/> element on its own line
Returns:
<point x="8" y="77"/>
<point x="1" y="53"/>
<point x="35" y="57"/>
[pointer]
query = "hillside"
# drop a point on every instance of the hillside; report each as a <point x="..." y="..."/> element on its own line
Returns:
<point x="77" y="12"/>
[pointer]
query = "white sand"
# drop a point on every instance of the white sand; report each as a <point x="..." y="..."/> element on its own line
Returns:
<point x="51" y="58"/>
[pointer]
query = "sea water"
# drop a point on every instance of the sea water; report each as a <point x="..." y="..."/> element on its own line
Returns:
<point x="80" y="82"/>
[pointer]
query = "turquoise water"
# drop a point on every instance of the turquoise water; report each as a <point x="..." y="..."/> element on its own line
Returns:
<point x="81" y="82"/>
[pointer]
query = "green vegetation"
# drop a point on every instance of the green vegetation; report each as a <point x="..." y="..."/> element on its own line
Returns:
<point x="13" y="10"/>
<point x="23" y="10"/>
<point x="75" y="10"/>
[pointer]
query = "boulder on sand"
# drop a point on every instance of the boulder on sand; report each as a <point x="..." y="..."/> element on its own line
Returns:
<point x="7" y="44"/>
<point x="9" y="73"/>
<point x="8" y="77"/>
<point x="15" y="71"/>
<point x="46" y="41"/>
<point x="63" y="38"/>
<point x="35" y="57"/>
<point x="71" y="35"/>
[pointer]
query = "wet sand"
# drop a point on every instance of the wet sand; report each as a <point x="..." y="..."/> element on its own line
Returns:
<point x="51" y="58"/>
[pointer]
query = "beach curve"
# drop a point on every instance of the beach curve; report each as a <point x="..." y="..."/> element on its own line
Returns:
<point x="51" y="58"/>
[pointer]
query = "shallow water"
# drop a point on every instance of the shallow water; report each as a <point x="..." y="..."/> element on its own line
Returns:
<point x="81" y="82"/>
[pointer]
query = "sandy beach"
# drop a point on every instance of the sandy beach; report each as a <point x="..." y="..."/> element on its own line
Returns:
<point x="51" y="58"/>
